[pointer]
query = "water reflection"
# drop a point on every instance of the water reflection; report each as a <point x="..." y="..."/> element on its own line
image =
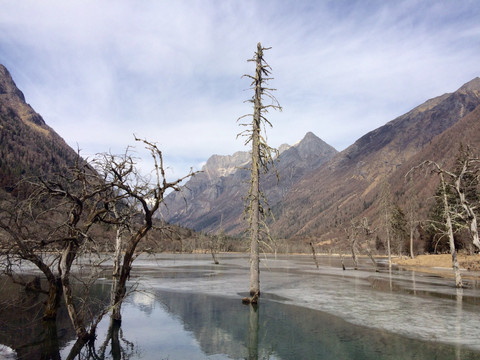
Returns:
<point x="223" y="326"/>
<point x="252" y="343"/>
<point x="205" y="319"/>
<point x="22" y="328"/>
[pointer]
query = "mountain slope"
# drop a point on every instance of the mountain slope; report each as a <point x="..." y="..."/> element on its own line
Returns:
<point x="443" y="149"/>
<point x="214" y="198"/>
<point x="27" y="145"/>
<point x="322" y="204"/>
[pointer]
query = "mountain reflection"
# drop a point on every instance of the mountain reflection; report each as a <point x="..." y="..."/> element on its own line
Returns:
<point x="279" y="331"/>
<point x="162" y="324"/>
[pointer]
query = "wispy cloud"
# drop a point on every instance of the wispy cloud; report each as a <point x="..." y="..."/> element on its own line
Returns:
<point x="171" y="71"/>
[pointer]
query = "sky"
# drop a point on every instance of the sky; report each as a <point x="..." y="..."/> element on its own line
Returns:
<point x="171" y="71"/>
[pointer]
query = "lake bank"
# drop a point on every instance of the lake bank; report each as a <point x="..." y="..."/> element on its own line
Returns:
<point x="441" y="264"/>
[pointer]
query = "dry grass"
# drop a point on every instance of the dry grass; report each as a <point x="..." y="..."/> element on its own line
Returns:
<point x="467" y="262"/>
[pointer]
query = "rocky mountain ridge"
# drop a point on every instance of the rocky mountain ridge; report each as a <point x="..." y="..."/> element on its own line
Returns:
<point x="350" y="182"/>
<point x="320" y="190"/>
<point x="319" y="204"/>
<point x="214" y="198"/>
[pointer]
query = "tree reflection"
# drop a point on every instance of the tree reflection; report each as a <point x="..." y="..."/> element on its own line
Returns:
<point x="120" y="347"/>
<point x="114" y="346"/>
<point x="252" y="344"/>
<point x="50" y="347"/>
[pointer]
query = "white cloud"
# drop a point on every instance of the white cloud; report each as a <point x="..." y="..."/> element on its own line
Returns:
<point x="170" y="71"/>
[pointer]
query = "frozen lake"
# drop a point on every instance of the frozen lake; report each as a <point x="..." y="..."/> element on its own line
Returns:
<point x="188" y="308"/>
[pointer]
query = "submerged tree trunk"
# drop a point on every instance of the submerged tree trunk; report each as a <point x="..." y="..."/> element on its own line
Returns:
<point x="126" y="267"/>
<point x="389" y="251"/>
<point x="116" y="272"/>
<point x="255" y="182"/>
<point x="214" y="256"/>
<point x="370" y="255"/>
<point x="50" y="346"/>
<point x="68" y="255"/>
<point x="455" y="265"/>
<point x="53" y="300"/>
<point x="314" y="255"/>
<point x="353" y="242"/>
<point x="261" y="157"/>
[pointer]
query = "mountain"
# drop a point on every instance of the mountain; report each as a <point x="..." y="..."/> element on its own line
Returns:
<point x="214" y="198"/>
<point x="28" y="146"/>
<point x="321" y="205"/>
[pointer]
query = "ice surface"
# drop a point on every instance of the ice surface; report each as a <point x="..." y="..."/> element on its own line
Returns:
<point x="404" y="302"/>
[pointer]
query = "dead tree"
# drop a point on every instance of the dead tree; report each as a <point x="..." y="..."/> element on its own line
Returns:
<point x="21" y="231"/>
<point x="49" y="226"/>
<point x="83" y="199"/>
<point x="468" y="167"/>
<point x="436" y="168"/>
<point x="262" y="156"/>
<point x="140" y="193"/>
<point x="352" y="236"/>
<point x="70" y="205"/>
<point x="367" y="232"/>
<point x="386" y="205"/>
<point x="314" y="255"/>
<point x="358" y="229"/>
<point x="412" y="221"/>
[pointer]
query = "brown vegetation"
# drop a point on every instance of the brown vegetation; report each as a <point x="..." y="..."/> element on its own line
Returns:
<point x="467" y="262"/>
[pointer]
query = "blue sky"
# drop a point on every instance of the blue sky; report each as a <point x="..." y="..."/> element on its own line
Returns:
<point x="170" y="71"/>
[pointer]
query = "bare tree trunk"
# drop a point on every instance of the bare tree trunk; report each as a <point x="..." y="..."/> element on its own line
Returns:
<point x="50" y="345"/>
<point x="255" y="183"/>
<point x="389" y="252"/>
<point x="456" y="267"/>
<point x="68" y="255"/>
<point x="127" y="267"/>
<point x="353" y="242"/>
<point x="412" y="230"/>
<point x="370" y="255"/>
<point x="471" y="216"/>
<point x="412" y="207"/>
<point x="314" y="255"/>
<point x="386" y="202"/>
<point x="214" y="256"/>
<point x="261" y="157"/>
<point x="116" y="271"/>
<point x="53" y="301"/>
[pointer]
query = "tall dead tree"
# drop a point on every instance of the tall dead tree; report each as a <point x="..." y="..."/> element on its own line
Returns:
<point x="262" y="156"/>
<point x="412" y="221"/>
<point x="451" y="240"/>
<point x="467" y="169"/>
<point x="448" y="210"/>
<point x="386" y="204"/>
<point x="352" y="236"/>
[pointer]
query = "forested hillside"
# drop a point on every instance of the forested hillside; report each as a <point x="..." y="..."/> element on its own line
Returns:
<point x="28" y="147"/>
